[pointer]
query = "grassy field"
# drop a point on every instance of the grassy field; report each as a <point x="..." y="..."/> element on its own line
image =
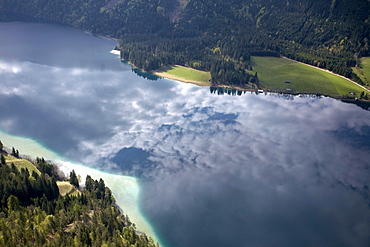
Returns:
<point x="185" y="74"/>
<point x="21" y="163"/>
<point x="273" y="73"/>
<point x="364" y="71"/>
<point x="65" y="187"/>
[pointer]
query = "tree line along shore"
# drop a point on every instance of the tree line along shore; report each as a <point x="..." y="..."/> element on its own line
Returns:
<point x="280" y="75"/>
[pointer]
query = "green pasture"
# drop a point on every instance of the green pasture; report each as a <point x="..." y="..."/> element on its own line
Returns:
<point x="21" y="163"/>
<point x="363" y="71"/>
<point x="65" y="187"/>
<point x="186" y="73"/>
<point x="274" y="72"/>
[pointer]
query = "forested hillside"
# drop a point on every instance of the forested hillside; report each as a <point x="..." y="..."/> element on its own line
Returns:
<point x="215" y="35"/>
<point x="33" y="213"/>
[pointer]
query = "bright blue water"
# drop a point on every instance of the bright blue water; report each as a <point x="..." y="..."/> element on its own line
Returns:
<point x="215" y="170"/>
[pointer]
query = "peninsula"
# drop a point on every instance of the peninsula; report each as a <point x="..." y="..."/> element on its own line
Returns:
<point x="56" y="210"/>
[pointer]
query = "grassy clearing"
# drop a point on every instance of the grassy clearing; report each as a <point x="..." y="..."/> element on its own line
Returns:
<point x="273" y="73"/>
<point x="359" y="73"/>
<point x="185" y="74"/>
<point x="21" y="163"/>
<point x="364" y="70"/>
<point x="65" y="187"/>
<point x="365" y="64"/>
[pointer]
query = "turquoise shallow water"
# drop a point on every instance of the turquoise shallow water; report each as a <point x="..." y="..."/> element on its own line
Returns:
<point x="126" y="190"/>
<point x="213" y="170"/>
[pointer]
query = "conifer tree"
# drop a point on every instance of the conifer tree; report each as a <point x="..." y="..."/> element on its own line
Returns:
<point x="89" y="183"/>
<point x="73" y="179"/>
<point x="3" y="160"/>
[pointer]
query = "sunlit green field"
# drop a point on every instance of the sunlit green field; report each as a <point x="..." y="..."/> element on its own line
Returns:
<point x="21" y="163"/>
<point x="274" y="72"/>
<point x="364" y="70"/>
<point x="65" y="187"/>
<point x="185" y="73"/>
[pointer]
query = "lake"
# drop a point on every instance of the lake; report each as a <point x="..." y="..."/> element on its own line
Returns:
<point x="213" y="170"/>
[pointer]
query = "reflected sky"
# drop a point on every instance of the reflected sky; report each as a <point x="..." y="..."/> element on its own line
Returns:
<point x="216" y="170"/>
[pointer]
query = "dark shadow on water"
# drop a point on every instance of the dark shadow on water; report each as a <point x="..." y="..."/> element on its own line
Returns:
<point x="222" y="91"/>
<point x="356" y="138"/>
<point x="363" y="104"/>
<point x="146" y="75"/>
<point x="289" y="96"/>
<point x="236" y="92"/>
<point x="132" y="161"/>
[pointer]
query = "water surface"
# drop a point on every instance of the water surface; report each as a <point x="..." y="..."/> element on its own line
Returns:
<point x="214" y="170"/>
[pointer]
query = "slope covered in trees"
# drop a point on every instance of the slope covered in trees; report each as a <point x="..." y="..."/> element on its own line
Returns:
<point x="33" y="213"/>
<point x="218" y="36"/>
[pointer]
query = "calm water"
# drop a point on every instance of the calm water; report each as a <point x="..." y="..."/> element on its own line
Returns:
<point x="215" y="170"/>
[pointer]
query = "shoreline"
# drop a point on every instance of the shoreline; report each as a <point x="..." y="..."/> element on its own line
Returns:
<point x="164" y="74"/>
<point x="181" y="79"/>
<point x="205" y="84"/>
<point x="125" y="189"/>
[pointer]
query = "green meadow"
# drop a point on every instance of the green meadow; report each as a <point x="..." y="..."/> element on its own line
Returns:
<point x="184" y="74"/>
<point x="21" y="163"/>
<point x="363" y="71"/>
<point x="274" y="73"/>
<point x="65" y="187"/>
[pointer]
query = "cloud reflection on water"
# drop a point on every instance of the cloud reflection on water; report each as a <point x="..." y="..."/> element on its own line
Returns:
<point x="220" y="169"/>
<point x="252" y="170"/>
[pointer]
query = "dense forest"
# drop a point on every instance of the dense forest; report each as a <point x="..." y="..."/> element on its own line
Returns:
<point x="215" y="35"/>
<point x="33" y="213"/>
